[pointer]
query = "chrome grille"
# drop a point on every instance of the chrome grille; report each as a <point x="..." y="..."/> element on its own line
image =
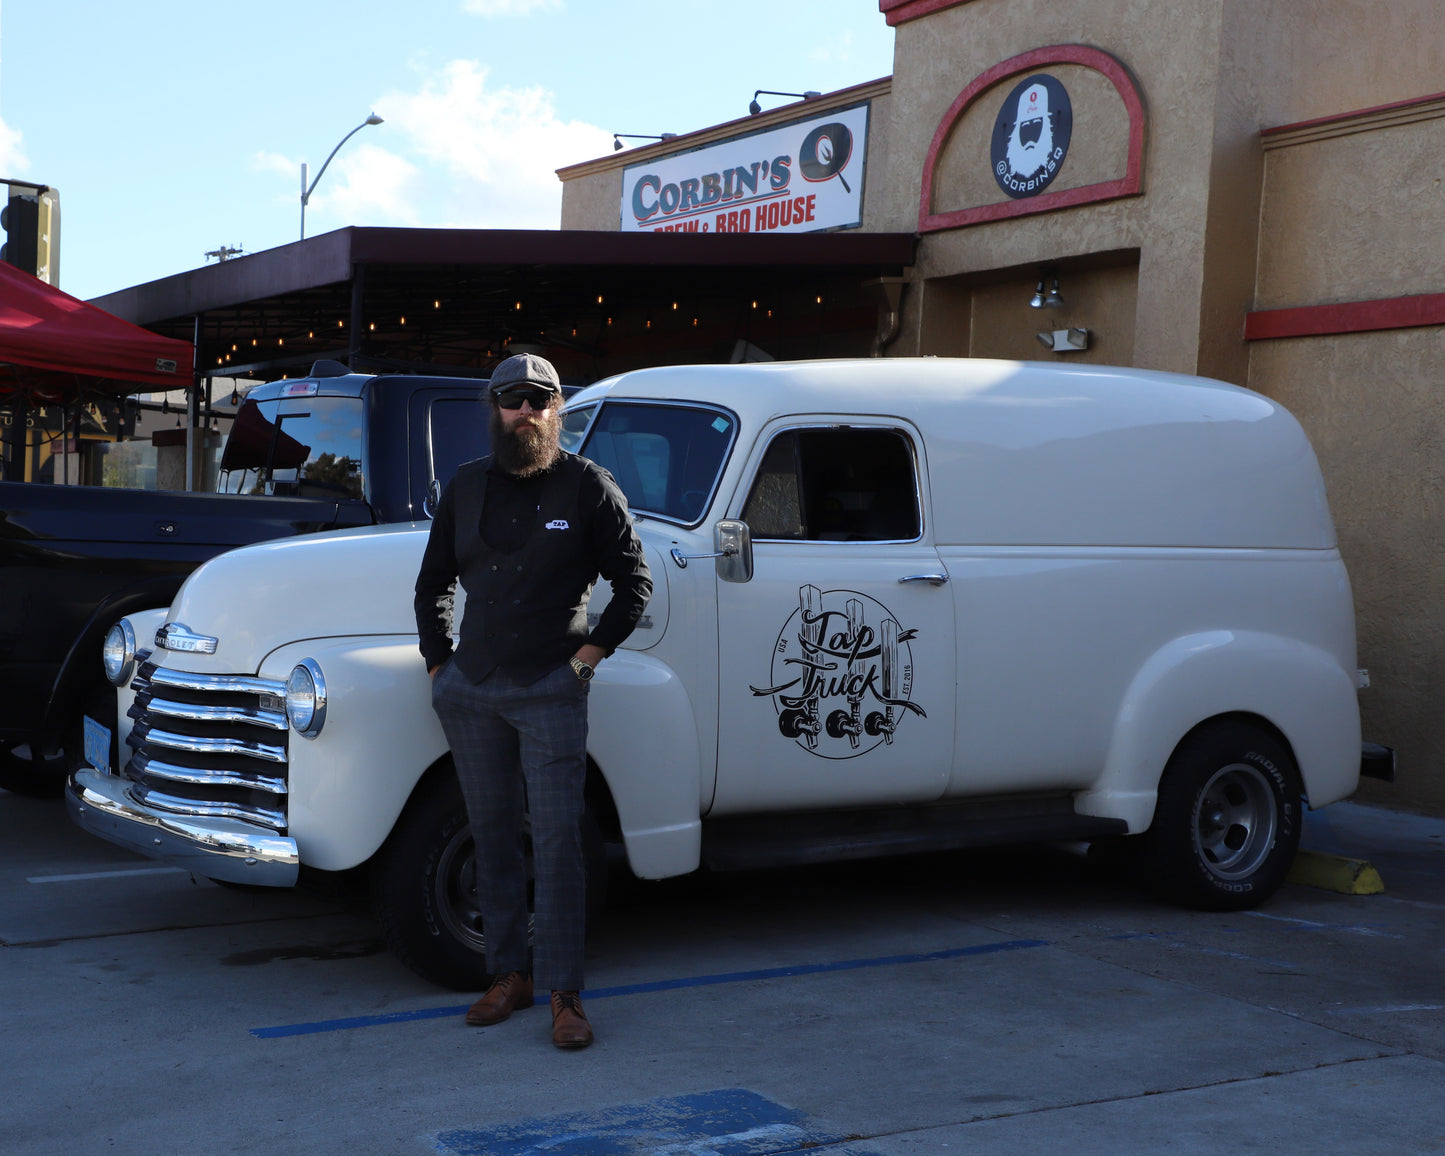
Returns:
<point x="209" y="745"/>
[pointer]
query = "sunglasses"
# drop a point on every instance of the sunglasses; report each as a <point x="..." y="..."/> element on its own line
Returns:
<point x="536" y="398"/>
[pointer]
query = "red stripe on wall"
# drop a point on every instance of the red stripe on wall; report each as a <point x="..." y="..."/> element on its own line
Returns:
<point x="1346" y="317"/>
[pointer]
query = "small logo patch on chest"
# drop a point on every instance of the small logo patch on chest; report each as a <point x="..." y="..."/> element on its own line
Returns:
<point x="557" y="524"/>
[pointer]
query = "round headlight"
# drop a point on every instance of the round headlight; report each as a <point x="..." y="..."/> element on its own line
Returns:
<point x="306" y="699"/>
<point x="117" y="653"/>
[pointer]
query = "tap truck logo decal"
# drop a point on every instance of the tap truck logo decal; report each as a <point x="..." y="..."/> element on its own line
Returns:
<point x="842" y="674"/>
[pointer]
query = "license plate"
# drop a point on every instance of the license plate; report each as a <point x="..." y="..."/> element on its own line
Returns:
<point x="97" y="745"/>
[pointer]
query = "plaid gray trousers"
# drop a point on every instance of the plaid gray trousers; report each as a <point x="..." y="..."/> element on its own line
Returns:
<point x="524" y="749"/>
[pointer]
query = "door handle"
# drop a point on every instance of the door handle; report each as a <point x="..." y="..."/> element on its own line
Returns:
<point x="931" y="579"/>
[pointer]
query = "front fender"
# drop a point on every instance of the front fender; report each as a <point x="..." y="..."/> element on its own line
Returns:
<point x="1301" y="689"/>
<point x="642" y="735"/>
<point x="349" y="784"/>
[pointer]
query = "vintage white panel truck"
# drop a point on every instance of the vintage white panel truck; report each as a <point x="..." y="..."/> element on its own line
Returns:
<point x="900" y="605"/>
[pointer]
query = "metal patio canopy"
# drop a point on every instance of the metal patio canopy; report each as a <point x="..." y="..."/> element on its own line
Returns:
<point x="461" y="299"/>
<point x="53" y="345"/>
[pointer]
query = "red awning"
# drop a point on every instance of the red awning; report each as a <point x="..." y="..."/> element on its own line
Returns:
<point x="42" y="328"/>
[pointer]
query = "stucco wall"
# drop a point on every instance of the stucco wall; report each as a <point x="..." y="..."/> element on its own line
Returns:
<point x="1349" y="214"/>
<point x="1370" y="403"/>
<point x="1172" y="52"/>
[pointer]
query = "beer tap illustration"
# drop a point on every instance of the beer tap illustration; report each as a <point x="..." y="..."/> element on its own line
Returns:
<point x="882" y="722"/>
<point x="850" y="722"/>
<point x="801" y="721"/>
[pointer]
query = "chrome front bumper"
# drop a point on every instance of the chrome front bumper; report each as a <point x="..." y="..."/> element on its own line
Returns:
<point x="216" y="848"/>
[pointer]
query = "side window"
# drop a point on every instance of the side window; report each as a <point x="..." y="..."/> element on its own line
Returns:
<point x="457" y="429"/>
<point x="666" y="457"/>
<point x="835" y="485"/>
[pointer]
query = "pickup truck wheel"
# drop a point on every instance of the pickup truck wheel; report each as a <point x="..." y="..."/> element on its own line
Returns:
<point x="1227" y="823"/>
<point x="26" y="771"/>
<point x="424" y="889"/>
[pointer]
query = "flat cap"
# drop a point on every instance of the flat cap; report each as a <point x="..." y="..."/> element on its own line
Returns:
<point x="525" y="369"/>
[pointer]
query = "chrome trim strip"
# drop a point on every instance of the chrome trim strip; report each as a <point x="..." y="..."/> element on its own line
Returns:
<point x="175" y="805"/>
<point x="155" y="768"/>
<point x="238" y="683"/>
<point x="218" y="849"/>
<point x="143" y="733"/>
<point x="270" y="719"/>
<point x="179" y="636"/>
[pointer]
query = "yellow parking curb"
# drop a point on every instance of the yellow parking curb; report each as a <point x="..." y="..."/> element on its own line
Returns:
<point x="1336" y="873"/>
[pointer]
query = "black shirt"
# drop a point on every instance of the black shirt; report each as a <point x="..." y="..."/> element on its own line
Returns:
<point x="527" y="552"/>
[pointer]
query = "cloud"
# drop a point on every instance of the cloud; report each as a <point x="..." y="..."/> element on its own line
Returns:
<point x="489" y="8"/>
<point x="458" y="154"/>
<point x="12" y="155"/>
<point x="374" y="186"/>
<point x="837" y="50"/>
<point x="264" y="162"/>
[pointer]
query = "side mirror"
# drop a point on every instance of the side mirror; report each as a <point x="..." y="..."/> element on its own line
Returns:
<point x="733" y="542"/>
<point x="433" y="498"/>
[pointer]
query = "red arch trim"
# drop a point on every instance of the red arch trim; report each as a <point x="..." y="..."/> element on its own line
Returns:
<point x="1130" y="184"/>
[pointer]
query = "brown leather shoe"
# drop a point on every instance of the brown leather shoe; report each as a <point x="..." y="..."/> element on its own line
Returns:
<point x="508" y="993"/>
<point x="570" y="1028"/>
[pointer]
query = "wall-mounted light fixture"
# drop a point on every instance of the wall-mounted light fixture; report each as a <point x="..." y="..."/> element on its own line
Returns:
<point x="754" y="108"/>
<point x="1064" y="340"/>
<point x="619" y="137"/>
<point x="1053" y="300"/>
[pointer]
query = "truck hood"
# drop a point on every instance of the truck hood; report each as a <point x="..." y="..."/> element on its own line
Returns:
<point x="341" y="583"/>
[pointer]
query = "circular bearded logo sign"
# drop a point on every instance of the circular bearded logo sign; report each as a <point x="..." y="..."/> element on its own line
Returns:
<point x="1031" y="136"/>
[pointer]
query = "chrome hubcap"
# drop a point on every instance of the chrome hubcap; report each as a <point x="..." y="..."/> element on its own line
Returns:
<point x="1235" y="821"/>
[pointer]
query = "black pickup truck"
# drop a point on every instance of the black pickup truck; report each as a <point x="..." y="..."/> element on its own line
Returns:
<point x="331" y="450"/>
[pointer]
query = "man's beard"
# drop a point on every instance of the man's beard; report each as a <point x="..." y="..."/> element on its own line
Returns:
<point x="527" y="450"/>
<point x="1026" y="160"/>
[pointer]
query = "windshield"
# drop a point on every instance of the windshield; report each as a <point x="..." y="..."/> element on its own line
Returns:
<point x="296" y="446"/>
<point x="666" y="457"/>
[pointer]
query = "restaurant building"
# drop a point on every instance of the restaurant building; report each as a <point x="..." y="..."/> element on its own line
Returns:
<point x="1244" y="190"/>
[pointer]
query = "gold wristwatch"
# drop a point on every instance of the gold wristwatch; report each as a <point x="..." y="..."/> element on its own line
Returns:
<point x="583" y="671"/>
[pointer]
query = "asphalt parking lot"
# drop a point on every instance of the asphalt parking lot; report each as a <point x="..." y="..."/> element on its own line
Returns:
<point x="1009" y="1002"/>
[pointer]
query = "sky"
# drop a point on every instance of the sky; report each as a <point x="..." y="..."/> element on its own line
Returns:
<point x="175" y="127"/>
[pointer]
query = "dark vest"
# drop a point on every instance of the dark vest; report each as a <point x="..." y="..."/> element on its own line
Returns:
<point x="526" y="612"/>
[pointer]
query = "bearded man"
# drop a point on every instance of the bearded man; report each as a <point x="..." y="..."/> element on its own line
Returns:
<point x="1031" y="142"/>
<point x="527" y="531"/>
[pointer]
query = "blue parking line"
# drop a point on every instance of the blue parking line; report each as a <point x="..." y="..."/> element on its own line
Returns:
<point x="341" y="1025"/>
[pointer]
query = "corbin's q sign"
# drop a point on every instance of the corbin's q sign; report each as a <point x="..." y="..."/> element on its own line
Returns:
<point x="799" y="178"/>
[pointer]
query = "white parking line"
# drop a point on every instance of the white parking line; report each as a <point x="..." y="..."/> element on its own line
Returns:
<point x="1388" y="1009"/>
<point x="106" y="874"/>
<point x="1313" y="926"/>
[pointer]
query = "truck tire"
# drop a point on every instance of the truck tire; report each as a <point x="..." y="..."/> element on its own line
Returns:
<point x="39" y="775"/>
<point x="423" y="887"/>
<point x="1227" y="823"/>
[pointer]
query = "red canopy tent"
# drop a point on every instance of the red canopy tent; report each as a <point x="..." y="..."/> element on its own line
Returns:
<point x="74" y="345"/>
<point x="57" y="350"/>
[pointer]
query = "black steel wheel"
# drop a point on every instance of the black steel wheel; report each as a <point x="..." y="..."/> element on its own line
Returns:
<point x="1227" y="824"/>
<point x="425" y="894"/>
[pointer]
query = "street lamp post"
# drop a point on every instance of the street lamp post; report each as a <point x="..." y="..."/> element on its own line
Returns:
<point x="307" y="190"/>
